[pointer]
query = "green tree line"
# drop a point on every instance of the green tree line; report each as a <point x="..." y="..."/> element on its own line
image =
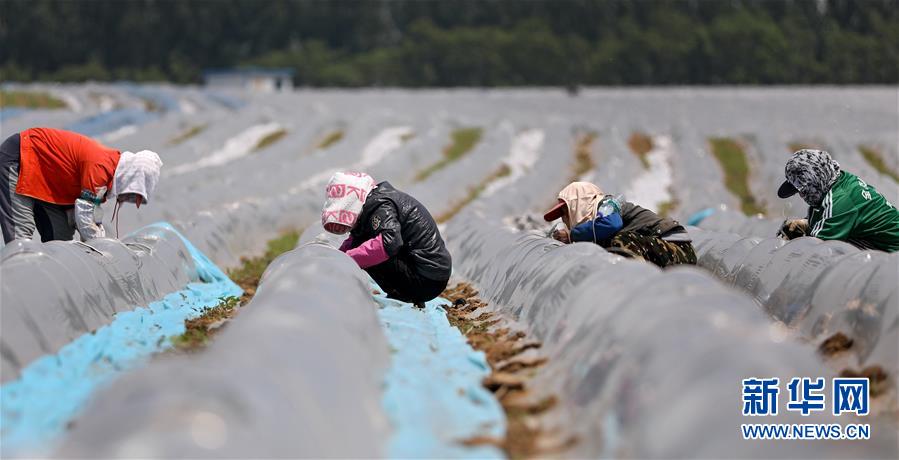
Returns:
<point x="487" y="43"/>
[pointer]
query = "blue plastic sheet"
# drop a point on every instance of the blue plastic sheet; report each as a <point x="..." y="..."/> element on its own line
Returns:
<point x="52" y="390"/>
<point x="433" y="394"/>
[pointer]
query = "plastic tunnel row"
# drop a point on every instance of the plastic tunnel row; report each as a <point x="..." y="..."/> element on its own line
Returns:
<point x="635" y="352"/>
<point x="821" y="289"/>
<point x="112" y="113"/>
<point x="225" y="233"/>
<point x="56" y="292"/>
<point x="77" y="315"/>
<point x="577" y="352"/>
<point x="307" y="117"/>
<point x="687" y="121"/>
<point x="645" y="363"/>
<point x="727" y="221"/>
<point x="304" y="369"/>
<point x="297" y="376"/>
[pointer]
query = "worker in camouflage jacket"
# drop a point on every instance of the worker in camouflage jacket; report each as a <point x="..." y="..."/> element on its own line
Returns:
<point x="841" y="205"/>
<point x="624" y="228"/>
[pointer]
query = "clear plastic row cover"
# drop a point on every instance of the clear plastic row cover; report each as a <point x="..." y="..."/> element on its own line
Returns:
<point x="55" y="292"/>
<point x="768" y="119"/>
<point x="298" y="374"/>
<point x="729" y="221"/>
<point x="646" y="363"/>
<point x="820" y="288"/>
<point x="231" y="209"/>
<point x="687" y="117"/>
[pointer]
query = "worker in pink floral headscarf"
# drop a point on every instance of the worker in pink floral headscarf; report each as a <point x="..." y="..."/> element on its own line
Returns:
<point x="391" y="236"/>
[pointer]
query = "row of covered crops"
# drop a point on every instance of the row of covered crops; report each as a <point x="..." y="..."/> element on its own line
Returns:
<point x="646" y="363"/>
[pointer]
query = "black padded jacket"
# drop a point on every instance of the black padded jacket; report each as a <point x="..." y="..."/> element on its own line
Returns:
<point x="407" y="229"/>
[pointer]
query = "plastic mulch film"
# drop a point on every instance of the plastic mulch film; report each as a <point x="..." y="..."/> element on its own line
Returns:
<point x="298" y="375"/>
<point x="727" y="221"/>
<point x="821" y="288"/>
<point x="228" y="215"/>
<point x="646" y="363"/>
<point x="55" y="292"/>
<point x="231" y="196"/>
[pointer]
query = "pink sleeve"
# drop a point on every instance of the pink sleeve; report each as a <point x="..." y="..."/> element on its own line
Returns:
<point x="346" y="244"/>
<point x="369" y="253"/>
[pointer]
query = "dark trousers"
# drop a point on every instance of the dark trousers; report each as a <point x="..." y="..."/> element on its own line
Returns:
<point x="400" y="281"/>
<point x="20" y="215"/>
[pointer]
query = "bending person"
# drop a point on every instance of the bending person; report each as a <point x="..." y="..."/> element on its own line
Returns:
<point x="54" y="181"/>
<point x="391" y="236"/>
<point x="841" y="206"/>
<point x="592" y="216"/>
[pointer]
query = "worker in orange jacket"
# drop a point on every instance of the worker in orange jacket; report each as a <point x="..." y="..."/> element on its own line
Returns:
<point x="54" y="181"/>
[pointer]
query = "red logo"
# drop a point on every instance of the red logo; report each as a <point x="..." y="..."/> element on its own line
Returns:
<point x="336" y="190"/>
<point x="347" y="217"/>
<point x="360" y="193"/>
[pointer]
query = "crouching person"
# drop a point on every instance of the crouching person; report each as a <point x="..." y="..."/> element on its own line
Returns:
<point x="391" y="236"/>
<point x="624" y="228"/>
<point x="841" y="205"/>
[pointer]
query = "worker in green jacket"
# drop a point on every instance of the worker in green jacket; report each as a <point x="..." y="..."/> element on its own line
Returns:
<point x="841" y="205"/>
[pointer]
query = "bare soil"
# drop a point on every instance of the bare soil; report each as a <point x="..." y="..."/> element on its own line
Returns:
<point x="583" y="161"/>
<point x="834" y="344"/>
<point x="879" y="379"/>
<point x="640" y="144"/>
<point x="837" y="345"/>
<point x="473" y="193"/>
<point x="199" y="330"/>
<point x="510" y="375"/>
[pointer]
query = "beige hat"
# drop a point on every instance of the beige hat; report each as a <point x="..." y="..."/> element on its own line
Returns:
<point x="579" y="200"/>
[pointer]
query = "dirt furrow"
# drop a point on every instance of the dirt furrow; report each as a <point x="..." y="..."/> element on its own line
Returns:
<point x="512" y="372"/>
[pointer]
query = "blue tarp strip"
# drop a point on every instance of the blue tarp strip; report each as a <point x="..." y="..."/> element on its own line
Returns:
<point x="700" y="216"/>
<point x="52" y="390"/>
<point x="433" y="394"/>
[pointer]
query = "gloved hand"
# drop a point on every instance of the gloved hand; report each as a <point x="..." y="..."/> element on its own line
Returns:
<point x="87" y="218"/>
<point x="793" y="228"/>
<point x="562" y="235"/>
